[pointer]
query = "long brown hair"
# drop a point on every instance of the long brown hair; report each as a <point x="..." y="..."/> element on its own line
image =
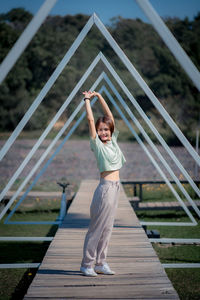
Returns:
<point x="108" y="121"/>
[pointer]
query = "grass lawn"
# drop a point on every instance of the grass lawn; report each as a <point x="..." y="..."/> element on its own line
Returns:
<point x="14" y="282"/>
<point x="44" y="186"/>
<point x="159" y="192"/>
<point x="185" y="281"/>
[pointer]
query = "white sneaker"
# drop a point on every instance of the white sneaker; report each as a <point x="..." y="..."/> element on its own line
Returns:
<point x="105" y="269"/>
<point x="88" y="272"/>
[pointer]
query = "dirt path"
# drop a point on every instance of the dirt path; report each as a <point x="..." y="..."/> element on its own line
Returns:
<point x="76" y="162"/>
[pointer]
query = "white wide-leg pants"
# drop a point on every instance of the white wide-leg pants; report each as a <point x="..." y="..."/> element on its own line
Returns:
<point x="102" y="213"/>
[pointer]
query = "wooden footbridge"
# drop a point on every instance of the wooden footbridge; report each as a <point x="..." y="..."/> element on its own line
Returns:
<point x="139" y="273"/>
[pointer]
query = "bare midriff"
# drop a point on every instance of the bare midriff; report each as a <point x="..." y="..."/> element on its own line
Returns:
<point x="110" y="175"/>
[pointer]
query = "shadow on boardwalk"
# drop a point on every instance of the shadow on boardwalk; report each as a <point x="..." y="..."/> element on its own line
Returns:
<point x="139" y="273"/>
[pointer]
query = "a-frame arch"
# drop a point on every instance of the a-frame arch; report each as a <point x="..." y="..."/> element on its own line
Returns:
<point x="108" y="65"/>
<point x="95" y="20"/>
<point x="144" y="148"/>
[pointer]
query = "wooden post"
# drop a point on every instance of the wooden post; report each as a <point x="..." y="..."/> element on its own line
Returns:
<point x="140" y="191"/>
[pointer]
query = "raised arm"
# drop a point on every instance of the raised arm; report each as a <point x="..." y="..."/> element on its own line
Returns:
<point x="90" y="117"/>
<point x="105" y="107"/>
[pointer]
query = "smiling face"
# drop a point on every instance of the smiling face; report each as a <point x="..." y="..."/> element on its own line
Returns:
<point x="104" y="132"/>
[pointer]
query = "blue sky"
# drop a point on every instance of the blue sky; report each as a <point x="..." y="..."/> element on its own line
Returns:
<point x="107" y="9"/>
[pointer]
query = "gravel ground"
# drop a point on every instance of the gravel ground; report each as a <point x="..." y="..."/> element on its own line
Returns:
<point x="76" y="162"/>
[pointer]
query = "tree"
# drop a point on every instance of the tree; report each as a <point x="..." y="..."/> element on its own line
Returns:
<point x="138" y="40"/>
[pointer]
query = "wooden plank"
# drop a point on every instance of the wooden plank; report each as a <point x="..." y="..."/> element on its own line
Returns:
<point x="101" y="292"/>
<point x="139" y="273"/>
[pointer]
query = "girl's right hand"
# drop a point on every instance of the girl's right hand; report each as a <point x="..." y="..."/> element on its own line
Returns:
<point x="90" y="94"/>
<point x="87" y="94"/>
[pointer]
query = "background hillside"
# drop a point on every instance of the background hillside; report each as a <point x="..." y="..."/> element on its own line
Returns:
<point x="137" y="39"/>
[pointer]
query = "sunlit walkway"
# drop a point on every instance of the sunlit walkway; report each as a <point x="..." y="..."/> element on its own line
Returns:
<point x="139" y="273"/>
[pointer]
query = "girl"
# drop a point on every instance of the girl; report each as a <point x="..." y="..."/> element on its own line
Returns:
<point x="103" y="142"/>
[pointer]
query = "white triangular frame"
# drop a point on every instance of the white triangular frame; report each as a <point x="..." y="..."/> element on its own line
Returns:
<point x="95" y="20"/>
<point x="134" y="102"/>
<point x="116" y="48"/>
<point x="52" y="79"/>
<point x="103" y="75"/>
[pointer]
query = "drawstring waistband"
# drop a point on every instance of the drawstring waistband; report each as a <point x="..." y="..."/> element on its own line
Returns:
<point x="110" y="182"/>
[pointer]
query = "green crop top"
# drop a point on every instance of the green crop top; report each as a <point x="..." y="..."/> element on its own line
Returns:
<point x="109" y="156"/>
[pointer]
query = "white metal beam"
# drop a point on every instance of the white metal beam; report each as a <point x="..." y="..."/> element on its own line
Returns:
<point x="77" y="123"/>
<point x="181" y="266"/>
<point x="104" y="31"/>
<point x="141" y="112"/>
<point x="130" y="67"/>
<point x="103" y="75"/>
<point x="155" y="149"/>
<point x="155" y="164"/>
<point x="20" y="266"/>
<point x="47" y="87"/>
<point x="171" y="42"/>
<point x="134" y="119"/>
<point x="175" y="240"/>
<point x="44" y="155"/>
<point x="146" y="89"/>
<point x="25" y="38"/>
<point x="46" y="131"/>
<point x="26" y="238"/>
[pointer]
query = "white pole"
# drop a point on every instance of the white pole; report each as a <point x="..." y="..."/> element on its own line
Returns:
<point x="197" y="150"/>
<point x="25" y="38"/>
<point x="46" y="87"/>
<point x="146" y="89"/>
<point x="42" y="137"/>
<point x="171" y="42"/>
<point x="149" y="123"/>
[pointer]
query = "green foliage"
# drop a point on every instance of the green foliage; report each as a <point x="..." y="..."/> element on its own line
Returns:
<point x="137" y="39"/>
